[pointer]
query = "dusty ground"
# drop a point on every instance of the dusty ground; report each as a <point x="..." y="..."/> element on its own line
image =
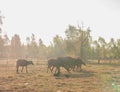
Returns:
<point x="93" y="78"/>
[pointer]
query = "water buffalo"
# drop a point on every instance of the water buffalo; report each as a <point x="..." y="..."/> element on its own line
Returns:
<point x="78" y="64"/>
<point x="56" y="63"/>
<point x="74" y="64"/>
<point x="23" y="63"/>
<point x="52" y="63"/>
<point x="68" y="63"/>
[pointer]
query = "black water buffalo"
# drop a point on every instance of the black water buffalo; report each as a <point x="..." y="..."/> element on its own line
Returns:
<point x="67" y="63"/>
<point x="77" y="65"/>
<point x="52" y="63"/>
<point x="23" y="63"/>
<point x="56" y="63"/>
<point x="70" y="63"/>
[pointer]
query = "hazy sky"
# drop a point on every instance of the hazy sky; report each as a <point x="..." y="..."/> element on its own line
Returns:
<point x="47" y="18"/>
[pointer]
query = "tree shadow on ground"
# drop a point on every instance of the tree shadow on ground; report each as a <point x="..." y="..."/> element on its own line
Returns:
<point x="81" y="74"/>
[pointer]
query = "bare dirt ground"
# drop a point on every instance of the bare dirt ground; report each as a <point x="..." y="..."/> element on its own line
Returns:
<point x="93" y="78"/>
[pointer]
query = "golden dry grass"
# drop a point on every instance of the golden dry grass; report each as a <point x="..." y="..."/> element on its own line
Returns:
<point x="93" y="78"/>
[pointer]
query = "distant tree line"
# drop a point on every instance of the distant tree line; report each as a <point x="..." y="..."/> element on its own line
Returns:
<point x="77" y="43"/>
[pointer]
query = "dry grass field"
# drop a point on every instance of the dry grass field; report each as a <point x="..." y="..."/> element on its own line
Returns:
<point x="93" y="78"/>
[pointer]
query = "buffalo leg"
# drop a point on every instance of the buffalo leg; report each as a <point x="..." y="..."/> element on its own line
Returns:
<point x="17" y="69"/>
<point x="22" y="68"/>
<point x="26" y="70"/>
<point x="58" y="68"/>
<point x="79" y="68"/>
<point x="51" y="69"/>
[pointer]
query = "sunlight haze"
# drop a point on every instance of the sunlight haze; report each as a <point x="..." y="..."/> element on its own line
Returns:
<point x="47" y="18"/>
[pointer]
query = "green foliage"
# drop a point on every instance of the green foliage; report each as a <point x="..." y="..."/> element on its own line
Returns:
<point x="78" y="43"/>
<point x="57" y="48"/>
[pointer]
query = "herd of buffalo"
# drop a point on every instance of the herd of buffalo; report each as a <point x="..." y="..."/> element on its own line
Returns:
<point x="68" y="63"/>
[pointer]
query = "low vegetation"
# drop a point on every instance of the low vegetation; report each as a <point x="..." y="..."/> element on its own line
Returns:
<point x="93" y="78"/>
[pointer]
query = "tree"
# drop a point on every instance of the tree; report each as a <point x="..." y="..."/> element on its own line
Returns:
<point x="118" y="46"/>
<point x="78" y="41"/>
<point x="97" y="48"/>
<point x="50" y="51"/>
<point x="33" y="48"/>
<point x="71" y="48"/>
<point x="1" y="46"/>
<point x="1" y="22"/>
<point x="71" y="32"/>
<point x="114" y="52"/>
<point x="58" y="48"/>
<point x="27" y="49"/>
<point x="16" y="46"/>
<point x="84" y="40"/>
<point x="28" y="40"/>
<point x="6" y="46"/>
<point x="103" y="46"/>
<point x="42" y="50"/>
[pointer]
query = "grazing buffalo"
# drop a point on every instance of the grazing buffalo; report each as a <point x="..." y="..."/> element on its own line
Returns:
<point x="56" y="63"/>
<point x="51" y="64"/>
<point x="70" y="63"/>
<point x="67" y="63"/>
<point x="23" y="63"/>
<point x="78" y="65"/>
